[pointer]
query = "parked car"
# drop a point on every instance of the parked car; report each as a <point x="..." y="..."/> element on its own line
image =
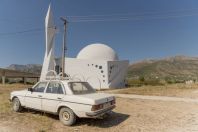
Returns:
<point x="66" y="98"/>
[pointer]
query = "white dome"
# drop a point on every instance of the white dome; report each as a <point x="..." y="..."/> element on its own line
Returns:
<point x="97" y="52"/>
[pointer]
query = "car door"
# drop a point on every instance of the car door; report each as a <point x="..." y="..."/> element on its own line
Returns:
<point x="53" y="96"/>
<point x="33" y="98"/>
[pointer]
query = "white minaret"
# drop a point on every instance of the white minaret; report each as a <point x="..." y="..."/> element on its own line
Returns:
<point x="50" y="30"/>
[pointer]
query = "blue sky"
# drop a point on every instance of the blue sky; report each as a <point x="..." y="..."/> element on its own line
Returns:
<point x="172" y="30"/>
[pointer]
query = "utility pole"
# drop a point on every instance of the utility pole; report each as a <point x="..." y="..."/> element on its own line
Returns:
<point x="64" y="48"/>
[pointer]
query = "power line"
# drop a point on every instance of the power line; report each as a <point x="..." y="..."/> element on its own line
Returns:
<point x="135" y="16"/>
<point x="118" y="17"/>
<point x="24" y="31"/>
<point x="139" y="13"/>
<point x="127" y="18"/>
<point x="21" y="32"/>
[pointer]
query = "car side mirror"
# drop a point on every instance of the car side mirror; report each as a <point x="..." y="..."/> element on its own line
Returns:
<point x="30" y="89"/>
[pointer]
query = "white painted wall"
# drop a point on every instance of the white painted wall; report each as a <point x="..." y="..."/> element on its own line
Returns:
<point x="117" y="71"/>
<point x="97" y="72"/>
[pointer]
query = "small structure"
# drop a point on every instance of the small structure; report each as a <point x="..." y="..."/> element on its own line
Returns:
<point x="189" y="82"/>
<point x="6" y="73"/>
<point x="97" y="63"/>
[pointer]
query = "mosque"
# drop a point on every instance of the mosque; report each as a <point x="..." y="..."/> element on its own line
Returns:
<point x="96" y="63"/>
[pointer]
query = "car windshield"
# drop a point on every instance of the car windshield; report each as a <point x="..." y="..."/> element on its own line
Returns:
<point x="81" y="88"/>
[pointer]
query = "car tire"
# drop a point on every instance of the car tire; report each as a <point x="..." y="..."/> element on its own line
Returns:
<point x="16" y="105"/>
<point x="67" y="116"/>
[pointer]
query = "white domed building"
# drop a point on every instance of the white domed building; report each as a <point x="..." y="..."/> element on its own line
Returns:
<point x="98" y="64"/>
<point x="97" y="52"/>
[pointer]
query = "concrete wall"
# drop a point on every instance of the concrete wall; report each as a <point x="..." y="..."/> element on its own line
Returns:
<point x="98" y="73"/>
<point x="117" y="72"/>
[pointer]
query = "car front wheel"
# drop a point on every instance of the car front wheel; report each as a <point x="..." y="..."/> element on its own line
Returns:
<point x="67" y="116"/>
<point x="16" y="105"/>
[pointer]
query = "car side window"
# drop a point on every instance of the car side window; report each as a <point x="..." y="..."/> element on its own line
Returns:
<point x="54" y="88"/>
<point x="40" y="87"/>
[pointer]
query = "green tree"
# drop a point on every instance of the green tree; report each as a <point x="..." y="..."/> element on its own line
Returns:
<point x="141" y="78"/>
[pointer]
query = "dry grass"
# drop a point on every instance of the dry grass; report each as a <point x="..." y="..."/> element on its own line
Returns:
<point x="4" y="95"/>
<point x="130" y="114"/>
<point x="182" y="90"/>
<point x="24" y="118"/>
<point x="34" y="121"/>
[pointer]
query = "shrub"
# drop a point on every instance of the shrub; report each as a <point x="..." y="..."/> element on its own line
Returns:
<point x="134" y="83"/>
<point x="139" y="82"/>
<point x="153" y="82"/>
<point x="141" y="78"/>
<point x="170" y="80"/>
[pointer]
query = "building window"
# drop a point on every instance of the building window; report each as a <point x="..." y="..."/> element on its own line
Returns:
<point x="102" y="71"/>
<point x="96" y="66"/>
<point x="103" y="75"/>
<point x="100" y="67"/>
<point x="88" y="64"/>
<point x="103" y="80"/>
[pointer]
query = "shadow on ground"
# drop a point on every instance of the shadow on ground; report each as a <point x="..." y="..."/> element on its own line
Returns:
<point x="113" y="119"/>
<point x="40" y="113"/>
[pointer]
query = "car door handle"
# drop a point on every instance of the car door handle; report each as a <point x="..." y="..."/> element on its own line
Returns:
<point x="39" y="96"/>
<point x="59" y="98"/>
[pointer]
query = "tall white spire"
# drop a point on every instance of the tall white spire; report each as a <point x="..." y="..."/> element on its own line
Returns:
<point x="49" y="62"/>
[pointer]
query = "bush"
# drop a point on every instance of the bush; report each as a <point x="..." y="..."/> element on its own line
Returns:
<point x="170" y="80"/>
<point x="141" y="78"/>
<point x="134" y="83"/>
<point x="179" y="81"/>
<point x="139" y="82"/>
<point x="154" y="82"/>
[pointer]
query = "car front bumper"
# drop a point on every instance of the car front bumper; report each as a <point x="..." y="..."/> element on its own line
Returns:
<point x="100" y="112"/>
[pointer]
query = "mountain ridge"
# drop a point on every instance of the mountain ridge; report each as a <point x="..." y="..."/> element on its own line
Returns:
<point x="31" y="68"/>
<point x="177" y="67"/>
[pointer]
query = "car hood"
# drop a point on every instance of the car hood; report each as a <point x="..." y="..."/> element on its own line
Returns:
<point x="20" y="92"/>
<point x="93" y="98"/>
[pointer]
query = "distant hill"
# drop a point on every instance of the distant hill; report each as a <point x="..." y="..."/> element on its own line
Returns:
<point x="178" y="67"/>
<point x="31" y="68"/>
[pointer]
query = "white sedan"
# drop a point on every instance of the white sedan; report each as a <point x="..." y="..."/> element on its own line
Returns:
<point x="68" y="99"/>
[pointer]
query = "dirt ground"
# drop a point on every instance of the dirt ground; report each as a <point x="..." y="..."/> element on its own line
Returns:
<point x="130" y="115"/>
<point x="170" y="90"/>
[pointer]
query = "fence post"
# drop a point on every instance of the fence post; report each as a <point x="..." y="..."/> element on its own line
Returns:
<point x="3" y="79"/>
<point x="24" y="80"/>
